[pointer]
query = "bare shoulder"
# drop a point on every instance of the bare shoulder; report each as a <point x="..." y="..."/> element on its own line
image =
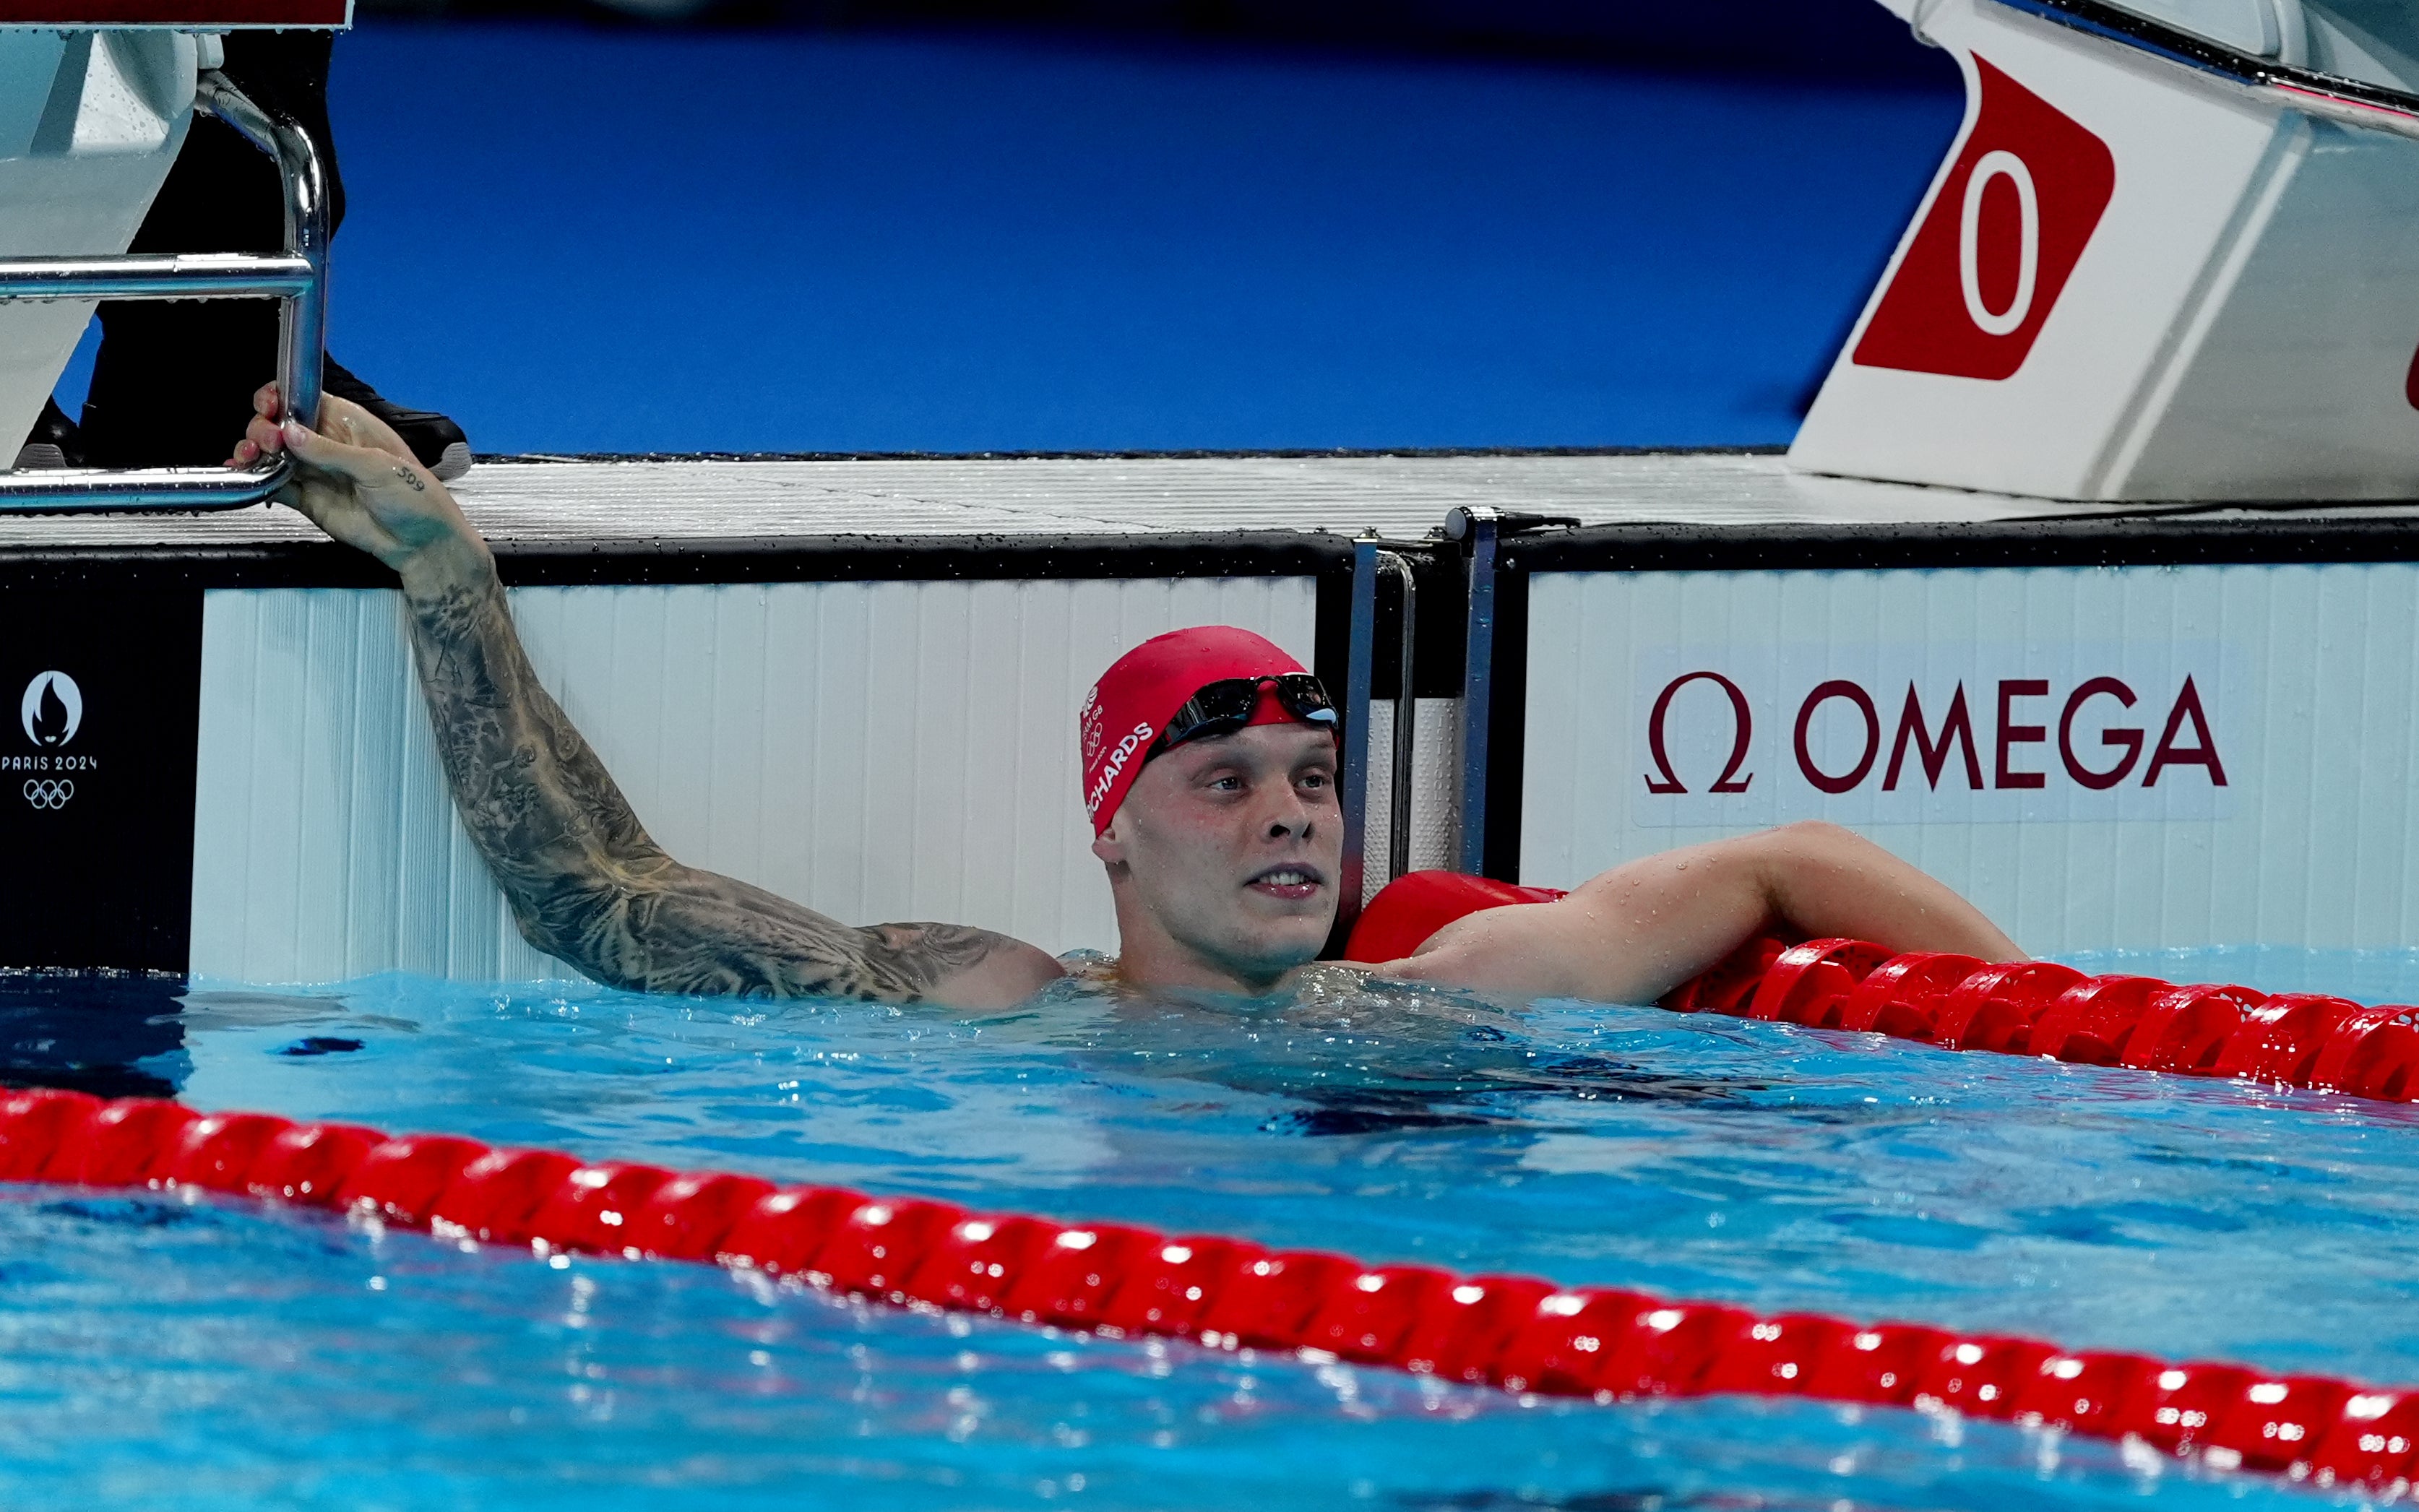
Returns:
<point x="682" y="930"/>
<point x="957" y="966"/>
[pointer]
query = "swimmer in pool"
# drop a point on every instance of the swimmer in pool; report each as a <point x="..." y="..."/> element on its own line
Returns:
<point x="1210" y="772"/>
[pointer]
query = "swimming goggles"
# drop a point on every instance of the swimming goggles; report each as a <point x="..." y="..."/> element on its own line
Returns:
<point x="1224" y="706"/>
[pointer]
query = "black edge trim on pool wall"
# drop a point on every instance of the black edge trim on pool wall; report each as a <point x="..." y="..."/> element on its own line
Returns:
<point x="843" y="559"/>
<point x="2132" y="541"/>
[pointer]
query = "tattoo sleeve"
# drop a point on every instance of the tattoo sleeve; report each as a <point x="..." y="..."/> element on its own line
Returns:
<point x="585" y="882"/>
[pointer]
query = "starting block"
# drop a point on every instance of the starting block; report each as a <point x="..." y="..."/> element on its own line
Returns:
<point x="2173" y="255"/>
<point x="96" y="98"/>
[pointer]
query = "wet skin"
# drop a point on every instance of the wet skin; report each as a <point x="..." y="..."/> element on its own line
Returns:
<point x="1223" y="860"/>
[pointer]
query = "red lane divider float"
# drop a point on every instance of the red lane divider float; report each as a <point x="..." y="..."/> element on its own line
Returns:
<point x="2039" y="1008"/>
<point x="1514" y="1332"/>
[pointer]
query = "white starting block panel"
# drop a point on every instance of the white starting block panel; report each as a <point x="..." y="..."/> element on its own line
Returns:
<point x="96" y="98"/>
<point x="91" y="122"/>
<point x="2137" y="279"/>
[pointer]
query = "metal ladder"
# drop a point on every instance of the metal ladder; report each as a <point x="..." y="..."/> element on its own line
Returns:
<point x="298" y="277"/>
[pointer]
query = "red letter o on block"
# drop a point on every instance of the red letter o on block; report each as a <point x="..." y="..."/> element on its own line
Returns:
<point x="1839" y="687"/>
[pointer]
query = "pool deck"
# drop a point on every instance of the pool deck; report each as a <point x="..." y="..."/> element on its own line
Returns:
<point x="545" y="501"/>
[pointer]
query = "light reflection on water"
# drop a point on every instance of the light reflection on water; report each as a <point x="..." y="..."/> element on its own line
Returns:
<point x="210" y="1355"/>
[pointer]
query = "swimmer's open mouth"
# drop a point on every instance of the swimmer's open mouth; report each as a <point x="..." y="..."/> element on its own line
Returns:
<point x="1290" y="880"/>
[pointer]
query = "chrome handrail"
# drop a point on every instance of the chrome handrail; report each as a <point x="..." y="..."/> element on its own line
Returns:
<point x="1398" y="815"/>
<point x="299" y="278"/>
<point x="2331" y="97"/>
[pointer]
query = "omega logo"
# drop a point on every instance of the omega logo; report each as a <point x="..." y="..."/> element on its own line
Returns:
<point x="2085" y="754"/>
<point x="1742" y="731"/>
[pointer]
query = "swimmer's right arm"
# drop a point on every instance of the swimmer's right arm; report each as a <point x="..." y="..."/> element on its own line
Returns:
<point x="584" y="879"/>
<point x="1635" y="932"/>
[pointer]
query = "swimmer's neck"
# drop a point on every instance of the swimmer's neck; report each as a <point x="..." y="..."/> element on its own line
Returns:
<point x="1171" y="967"/>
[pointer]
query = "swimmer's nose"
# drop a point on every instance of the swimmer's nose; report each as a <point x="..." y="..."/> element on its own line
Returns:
<point x="1293" y="817"/>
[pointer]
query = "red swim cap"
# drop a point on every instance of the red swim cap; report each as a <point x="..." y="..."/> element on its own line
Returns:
<point x="1132" y="703"/>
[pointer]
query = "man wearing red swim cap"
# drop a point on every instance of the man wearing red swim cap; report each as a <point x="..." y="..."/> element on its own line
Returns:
<point x="1209" y="776"/>
<point x="1209" y="762"/>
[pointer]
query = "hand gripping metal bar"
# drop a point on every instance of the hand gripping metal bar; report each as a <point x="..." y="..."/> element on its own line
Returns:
<point x="298" y="277"/>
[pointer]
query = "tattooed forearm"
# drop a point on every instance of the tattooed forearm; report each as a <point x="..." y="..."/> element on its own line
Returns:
<point x="587" y="885"/>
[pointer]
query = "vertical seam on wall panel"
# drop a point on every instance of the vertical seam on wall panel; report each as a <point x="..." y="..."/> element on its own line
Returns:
<point x="2204" y="925"/>
<point x="395" y="611"/>
<point x="2395" y="919"/>
<point x="2404" y="778"/>
<point x="2170" y="926"/>
<point x="349" y="809"/>
<point x="2368" y="883"/>
<point x="868" y="627"/>
<point x="2023" y="582"/>
<point x="963" y="597"/>
<point x="765" y="597"/>
<point x="818" y="617"/>
<point x="250" y="788"/>
<point x="2352" y="921"/>
<point x="2309" y="805"/>
<point x="2270" y="734"/>
<point x="295" y="862"/>
<point x="717" y="597"/>
<point x="2308" y="787"/>
<point x="2357" y="681"/>
<point x="1018" y="597"/>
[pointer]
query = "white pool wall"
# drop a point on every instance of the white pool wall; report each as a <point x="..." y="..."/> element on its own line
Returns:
<point x="2306" y="673"/>
<point x="886" y="750"/>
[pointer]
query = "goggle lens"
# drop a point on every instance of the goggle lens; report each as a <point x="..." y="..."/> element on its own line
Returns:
<point x="1223" y="707"/>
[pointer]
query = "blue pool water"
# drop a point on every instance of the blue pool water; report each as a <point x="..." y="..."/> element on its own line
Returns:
<point x="217" y="1355"/>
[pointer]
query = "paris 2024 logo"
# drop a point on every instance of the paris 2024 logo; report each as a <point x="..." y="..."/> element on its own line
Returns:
<point x="49" y="713"/>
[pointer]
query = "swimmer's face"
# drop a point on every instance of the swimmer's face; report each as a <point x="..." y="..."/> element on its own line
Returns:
<point x="1227" y="851"/>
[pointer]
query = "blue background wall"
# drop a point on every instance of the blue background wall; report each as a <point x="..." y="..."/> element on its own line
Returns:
<point x="584" y="237"/>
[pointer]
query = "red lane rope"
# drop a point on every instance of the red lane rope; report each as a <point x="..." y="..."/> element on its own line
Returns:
<point x="2039" y="1008"/>
<point x="1516" y="1332"/>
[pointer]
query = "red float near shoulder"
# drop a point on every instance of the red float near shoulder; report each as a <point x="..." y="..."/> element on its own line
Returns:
<point x="1412" y="907"/>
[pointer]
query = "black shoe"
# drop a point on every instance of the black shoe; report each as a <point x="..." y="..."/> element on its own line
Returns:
<point x="53" y="442"/>
<point x="437" y="442"/>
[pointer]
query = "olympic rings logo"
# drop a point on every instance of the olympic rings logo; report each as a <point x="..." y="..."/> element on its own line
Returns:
<point x="43" y="795"/>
